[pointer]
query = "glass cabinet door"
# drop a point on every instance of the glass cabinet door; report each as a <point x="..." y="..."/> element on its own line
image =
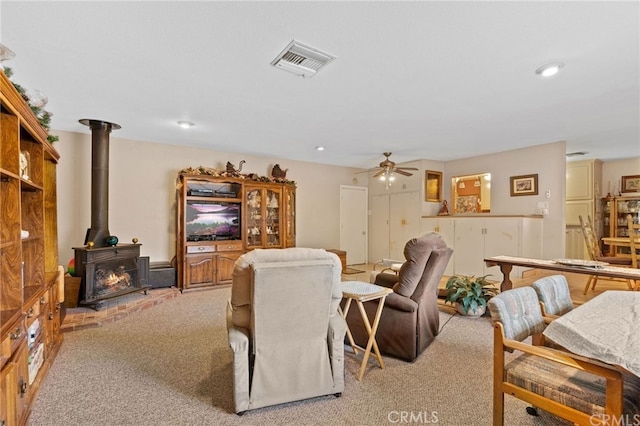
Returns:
<point x="272" y="225"/>
<point x="625" y="207"/>
<point x="254" y="217"/>
<point x="290" y="216"/>
<point x="606" y="216"/>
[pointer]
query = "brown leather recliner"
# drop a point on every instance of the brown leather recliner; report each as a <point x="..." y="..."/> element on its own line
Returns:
<point x="410" y="320"/>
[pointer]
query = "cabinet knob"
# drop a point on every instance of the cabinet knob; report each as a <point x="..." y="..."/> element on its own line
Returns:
<point x="43" y="300"/>
<point x="22" y="386"/>
<point x="50" y="315"/>
<point x="30" y="313"/>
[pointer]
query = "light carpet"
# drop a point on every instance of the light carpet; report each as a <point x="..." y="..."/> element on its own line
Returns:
<point x="171" y="365"/>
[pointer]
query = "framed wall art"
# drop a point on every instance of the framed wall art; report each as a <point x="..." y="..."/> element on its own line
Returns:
<point x="630" y="183"/>
<point x="524" y="185"/>
<point x="433" y="186"/>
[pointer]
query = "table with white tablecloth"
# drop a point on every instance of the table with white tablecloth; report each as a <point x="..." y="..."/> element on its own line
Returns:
<point x="606" y="328"/>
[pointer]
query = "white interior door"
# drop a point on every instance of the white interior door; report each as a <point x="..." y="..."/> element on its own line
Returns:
<point x="353" y="223"/>
<point x="378" y="227"/>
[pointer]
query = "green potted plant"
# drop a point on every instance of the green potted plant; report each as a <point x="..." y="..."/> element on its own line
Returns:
<point x="470" y="294"/>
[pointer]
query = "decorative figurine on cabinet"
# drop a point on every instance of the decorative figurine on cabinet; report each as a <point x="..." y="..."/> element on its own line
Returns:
<point x="24" y="164"/>
<point x="231" y="170"/>
<point x="444" y="210"/>
<point x="278" y="173"/>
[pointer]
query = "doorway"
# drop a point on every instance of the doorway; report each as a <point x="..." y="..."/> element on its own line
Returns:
<point x="353" y="223"/>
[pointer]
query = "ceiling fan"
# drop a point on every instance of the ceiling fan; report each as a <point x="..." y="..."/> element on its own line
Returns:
<point x="387" y="169"/>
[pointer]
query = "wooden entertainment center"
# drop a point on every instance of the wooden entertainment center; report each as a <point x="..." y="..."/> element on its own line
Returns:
<point x="222" y="217"/>
<point x="31" y="290"/>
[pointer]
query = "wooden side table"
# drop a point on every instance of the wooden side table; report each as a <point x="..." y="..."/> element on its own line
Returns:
<point x="342" y="255"/>
<point x="361" y="291"/>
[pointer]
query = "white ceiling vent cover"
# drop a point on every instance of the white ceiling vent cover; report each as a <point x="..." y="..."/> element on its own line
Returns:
<point x="301" y="59"/>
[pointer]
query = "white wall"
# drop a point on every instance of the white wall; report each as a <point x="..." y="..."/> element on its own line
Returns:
<point x="612" y="172"/>
<point x="143" y="174"/>
<point x="548" y="161"/>
<point x="142" y="201"/>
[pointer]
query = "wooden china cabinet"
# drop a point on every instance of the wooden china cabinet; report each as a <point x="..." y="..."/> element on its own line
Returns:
<point x="30" y="286"/>
<point x="615" y="212"/>
<point x="220" y="218"/>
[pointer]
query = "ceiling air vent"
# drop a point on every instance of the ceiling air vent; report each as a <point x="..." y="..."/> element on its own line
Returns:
<point x="302" y="60"/>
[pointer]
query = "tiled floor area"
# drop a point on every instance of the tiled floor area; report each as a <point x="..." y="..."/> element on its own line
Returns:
<point x="115" y="309"/>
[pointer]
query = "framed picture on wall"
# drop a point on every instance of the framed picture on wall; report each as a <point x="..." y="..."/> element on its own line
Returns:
<point x="524" y="185"/>
<point x="630" y="183"/>
<point x="433" y="186"/>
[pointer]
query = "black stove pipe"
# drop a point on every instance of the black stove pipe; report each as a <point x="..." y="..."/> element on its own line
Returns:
<point x="99" y="230"/>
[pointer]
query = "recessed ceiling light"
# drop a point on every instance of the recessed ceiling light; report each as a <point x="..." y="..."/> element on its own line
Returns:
<point x="319" y="148"/>
<point x="549" y="69"/>
<point x="185" y="124"/>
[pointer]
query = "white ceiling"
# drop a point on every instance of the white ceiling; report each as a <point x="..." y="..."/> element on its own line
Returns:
<point x="425" y="80"/>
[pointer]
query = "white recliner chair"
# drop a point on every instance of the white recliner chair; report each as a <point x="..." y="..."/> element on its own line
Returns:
<point x="284" y="327"/>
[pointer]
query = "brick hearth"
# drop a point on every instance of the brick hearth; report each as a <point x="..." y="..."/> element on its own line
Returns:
<point x="115" y="309"/>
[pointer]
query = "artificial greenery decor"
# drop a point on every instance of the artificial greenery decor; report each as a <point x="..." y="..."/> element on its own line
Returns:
<point x="44" y="117"/>
<point x="470" y="292"/>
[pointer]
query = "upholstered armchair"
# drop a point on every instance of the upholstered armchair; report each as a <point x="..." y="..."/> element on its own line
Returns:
<point x="554" y="296"/>
<point x="410" y="319"/>
<point x="284" y="327"/>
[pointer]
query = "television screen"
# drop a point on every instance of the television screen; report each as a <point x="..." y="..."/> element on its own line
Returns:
<point x="213" y="221"/>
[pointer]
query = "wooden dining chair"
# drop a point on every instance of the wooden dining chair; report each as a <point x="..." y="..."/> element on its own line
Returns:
<point x="634" y="234"/>
<point x="554" y="296"/>
<point x="593" y="247"/>
<point x="575" y="388"/>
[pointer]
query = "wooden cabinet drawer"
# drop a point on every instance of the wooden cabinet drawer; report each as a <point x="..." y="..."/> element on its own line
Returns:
<point x="201" y="249"/>
<point x="32" y="313"/>
<point x="17" y="334"/>
<point x="231" y="246"/>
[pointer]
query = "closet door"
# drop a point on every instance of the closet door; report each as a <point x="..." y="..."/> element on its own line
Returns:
<point x="378" y="228"/>
<point x="404" y="221"/>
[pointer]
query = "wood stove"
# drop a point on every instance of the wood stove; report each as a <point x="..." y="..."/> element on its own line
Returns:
<point x="107" y="272"/>
<point x="107" y="269"/>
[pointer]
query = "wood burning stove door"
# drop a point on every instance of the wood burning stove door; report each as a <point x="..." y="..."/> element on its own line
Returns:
<point x="108" y="272"/>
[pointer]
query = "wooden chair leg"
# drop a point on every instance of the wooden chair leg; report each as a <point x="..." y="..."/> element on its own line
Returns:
<point x="498" y="378"/>
<point x="586" y="287"/>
